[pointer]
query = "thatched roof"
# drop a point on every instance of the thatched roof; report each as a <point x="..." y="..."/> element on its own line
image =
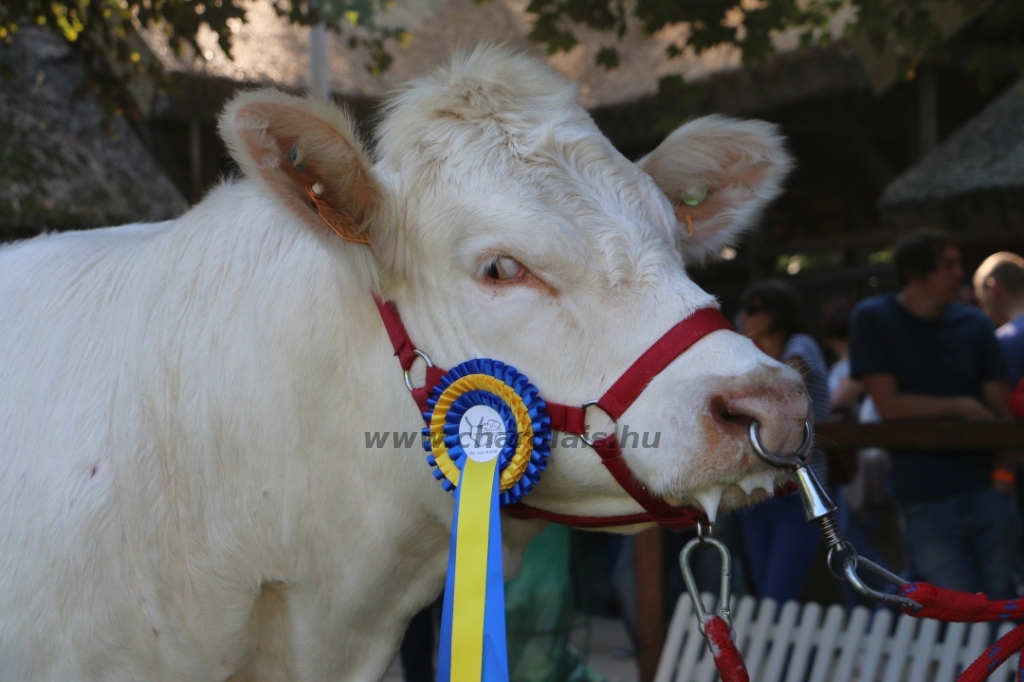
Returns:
<point x="973" y="182"/>
<point x="268" y="50"/>
<point x="986" y="153"/>
<point x="64" y="163"/>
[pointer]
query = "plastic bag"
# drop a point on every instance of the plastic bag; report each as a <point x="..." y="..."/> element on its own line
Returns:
<point x="539" y="615"/>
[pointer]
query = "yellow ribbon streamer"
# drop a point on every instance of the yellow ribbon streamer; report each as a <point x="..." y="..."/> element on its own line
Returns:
<point x="477" y="486"/>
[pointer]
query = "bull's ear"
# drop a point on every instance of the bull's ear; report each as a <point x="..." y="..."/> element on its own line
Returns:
<point x="309" y="155"/>
<point x="719" y="173"/>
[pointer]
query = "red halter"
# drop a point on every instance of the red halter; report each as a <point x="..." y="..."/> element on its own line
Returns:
<point x="570" y="419"/>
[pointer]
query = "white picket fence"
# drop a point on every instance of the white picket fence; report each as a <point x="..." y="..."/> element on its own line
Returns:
<point x="801" y="646"/>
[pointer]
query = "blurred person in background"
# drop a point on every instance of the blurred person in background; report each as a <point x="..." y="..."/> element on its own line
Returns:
<point x="922" y="354"/>
<point x="999" y="286"/>
<point x="859" y="479"/>
<point x="779" y="545"/>
<point x="845" y="393"/>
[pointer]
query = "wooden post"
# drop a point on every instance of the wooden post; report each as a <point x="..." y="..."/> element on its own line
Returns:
<point x="927" y="109"/>
<point x="319" y="62"/>
<point x="195" y="159"/>
<point x="650" y="601"/>
<point x="922" y="434"/>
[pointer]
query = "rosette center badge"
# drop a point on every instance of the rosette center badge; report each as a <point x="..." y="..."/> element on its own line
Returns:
<point x="482" y="433"/>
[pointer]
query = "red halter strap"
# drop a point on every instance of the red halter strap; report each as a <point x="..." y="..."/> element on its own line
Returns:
<point x="571" y="419"/>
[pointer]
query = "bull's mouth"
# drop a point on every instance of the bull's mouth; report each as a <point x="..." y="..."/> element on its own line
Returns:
<point x="756" y="486"/>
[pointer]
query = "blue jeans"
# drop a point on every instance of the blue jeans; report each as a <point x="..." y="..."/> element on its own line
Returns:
<point x="780" y="547"/>
<point x="966" y="542"/>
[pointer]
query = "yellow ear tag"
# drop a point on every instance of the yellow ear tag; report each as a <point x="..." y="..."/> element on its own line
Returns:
<point x="682" y="215"/>
<point x="692" y="196"/>
<point x="341" y="224"/>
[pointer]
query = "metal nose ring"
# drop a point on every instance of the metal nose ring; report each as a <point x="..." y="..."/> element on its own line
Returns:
<point x="817" y="505"/>
<point x="792" y="461"/>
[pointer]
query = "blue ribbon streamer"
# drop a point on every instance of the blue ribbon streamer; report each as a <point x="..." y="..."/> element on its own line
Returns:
<point x="495" y="653"/>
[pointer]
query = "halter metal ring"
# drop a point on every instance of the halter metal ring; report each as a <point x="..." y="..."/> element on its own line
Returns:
<point x="583" y="436"/>
<point x="426" y="359"/>
<point x="782" y="461"/>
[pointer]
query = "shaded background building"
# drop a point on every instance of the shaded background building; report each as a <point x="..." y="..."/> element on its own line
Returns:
<point x="972" y="184"/>
<point x="860" y="135"/>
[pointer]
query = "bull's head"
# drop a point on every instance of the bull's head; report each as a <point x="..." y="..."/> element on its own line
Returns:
<point x="505" y="225"/>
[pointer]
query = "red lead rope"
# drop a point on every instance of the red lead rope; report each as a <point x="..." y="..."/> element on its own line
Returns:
<point x="961" y="607"/>
<point x="939" y="604"/>
<point x="723" y="649"/>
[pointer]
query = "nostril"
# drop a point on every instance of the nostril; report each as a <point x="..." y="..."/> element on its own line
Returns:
<point x="729" y="414"/>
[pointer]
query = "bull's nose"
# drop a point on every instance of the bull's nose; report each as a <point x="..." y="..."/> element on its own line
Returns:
<point x="782" y="407"/>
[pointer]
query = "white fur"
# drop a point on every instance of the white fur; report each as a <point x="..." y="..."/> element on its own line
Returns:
<point x="185" y="491"/>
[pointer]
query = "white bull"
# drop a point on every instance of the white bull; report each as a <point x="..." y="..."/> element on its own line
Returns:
<point x="186" y="491"/>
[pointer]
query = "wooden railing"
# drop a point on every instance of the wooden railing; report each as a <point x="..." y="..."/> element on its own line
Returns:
<point x="918" y="434"/>
<point x="923" y="435"/>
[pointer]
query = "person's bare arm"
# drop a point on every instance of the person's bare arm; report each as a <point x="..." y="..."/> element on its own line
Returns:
<point x="846" y="396"/>
<point x="997" y="397"/>
<point x="894" y="405"/>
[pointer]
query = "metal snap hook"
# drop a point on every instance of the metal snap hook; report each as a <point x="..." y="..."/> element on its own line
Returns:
<point x="426" y="359"/>
<point x="842" y="560"/>
<point x="725" y="591"/>
<point x="782" y="461"/>
<point x="850" y="566"/>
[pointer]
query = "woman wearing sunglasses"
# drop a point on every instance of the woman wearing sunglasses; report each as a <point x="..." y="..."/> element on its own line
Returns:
<point x="779" y="545"/>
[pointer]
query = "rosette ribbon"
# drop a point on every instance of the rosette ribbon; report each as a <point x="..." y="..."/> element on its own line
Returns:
<point x="489" y="437"/>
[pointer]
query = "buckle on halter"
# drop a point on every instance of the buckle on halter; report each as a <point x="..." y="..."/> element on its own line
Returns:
<point x="725" y="591"/>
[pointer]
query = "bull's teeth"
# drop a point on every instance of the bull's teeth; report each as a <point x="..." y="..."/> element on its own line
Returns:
<point x="709" y="499"/>
<point x="752" y="482"/>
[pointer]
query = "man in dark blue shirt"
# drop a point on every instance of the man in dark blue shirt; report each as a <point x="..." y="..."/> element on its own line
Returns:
<point x="923" y="355"/>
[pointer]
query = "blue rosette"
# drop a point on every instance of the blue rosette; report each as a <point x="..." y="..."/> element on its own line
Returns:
<point x="526" y="444"/>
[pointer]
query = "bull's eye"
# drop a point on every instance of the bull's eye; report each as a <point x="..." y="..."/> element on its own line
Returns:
<point x="503" y="267"/>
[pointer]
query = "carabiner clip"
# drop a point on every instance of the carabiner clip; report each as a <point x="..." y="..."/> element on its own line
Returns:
<point x="846" y="555"/>
<point x="725" y="591"/>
